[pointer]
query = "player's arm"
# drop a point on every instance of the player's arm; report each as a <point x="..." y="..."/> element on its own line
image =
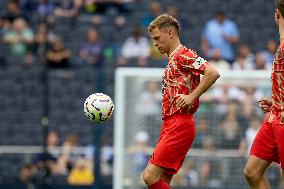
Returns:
<point x="279" y="69"/>
<point x="280" y="74"/>
<point x="210" y="77"/>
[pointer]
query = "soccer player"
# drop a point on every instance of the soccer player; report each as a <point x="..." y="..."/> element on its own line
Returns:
<point x="181" y="90"/>
<point x="268" y="145"/>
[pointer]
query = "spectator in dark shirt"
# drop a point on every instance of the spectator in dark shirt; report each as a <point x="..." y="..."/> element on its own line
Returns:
<point x="58" y="56"/>
<point x="91" y="50"/>
<point x="43" y="38"/>
<point x="13" y="11"/>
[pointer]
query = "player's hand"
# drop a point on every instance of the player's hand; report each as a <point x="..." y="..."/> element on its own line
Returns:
<point x="184" y="100"/>
<point x="265" y="104"/>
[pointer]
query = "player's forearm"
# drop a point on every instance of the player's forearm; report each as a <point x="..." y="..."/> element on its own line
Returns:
<point x="210" y="77"/>
<point x="280" y="87"/>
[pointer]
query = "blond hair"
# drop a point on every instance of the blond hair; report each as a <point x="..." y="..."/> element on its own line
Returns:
<point x="164" y="21"/>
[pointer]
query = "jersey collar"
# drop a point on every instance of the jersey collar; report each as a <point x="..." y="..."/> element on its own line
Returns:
<point x="174" y="51"/>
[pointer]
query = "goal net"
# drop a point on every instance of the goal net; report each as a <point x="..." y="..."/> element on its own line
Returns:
<point x="226" y="124"/>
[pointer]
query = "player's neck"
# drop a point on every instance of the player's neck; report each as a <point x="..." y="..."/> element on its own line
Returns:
<point x="281" y="34"/>
<point x="174" y="46"/>
<point x="281" y="31"/>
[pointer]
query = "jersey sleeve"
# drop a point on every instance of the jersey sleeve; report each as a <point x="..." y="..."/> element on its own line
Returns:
<point x="279" y="63"/>
<point x="192" y="62"/>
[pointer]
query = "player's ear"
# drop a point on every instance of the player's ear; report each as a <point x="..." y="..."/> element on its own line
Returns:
<point x="277" y="14"/>
<point x="171" y="33"/>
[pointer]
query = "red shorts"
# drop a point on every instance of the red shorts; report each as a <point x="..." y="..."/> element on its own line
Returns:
<point x="269" y="143"/>
<point x="176" y="137"/>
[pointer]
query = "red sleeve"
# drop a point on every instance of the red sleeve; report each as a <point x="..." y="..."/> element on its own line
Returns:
<point x="192" y="62"/>
<point x="279" y="59"/>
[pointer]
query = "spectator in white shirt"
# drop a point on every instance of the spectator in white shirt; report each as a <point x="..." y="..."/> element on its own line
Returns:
<point x="136" y="47"/>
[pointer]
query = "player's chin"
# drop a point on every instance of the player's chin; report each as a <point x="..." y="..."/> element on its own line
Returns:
<point x="162" y="51"/>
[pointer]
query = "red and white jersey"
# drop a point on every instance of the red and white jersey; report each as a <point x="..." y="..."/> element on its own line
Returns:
<point x="181" y="76"/>
<point x="277" y="78"/>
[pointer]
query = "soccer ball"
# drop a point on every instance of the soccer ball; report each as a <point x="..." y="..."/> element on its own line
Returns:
<point x="98" y="107"/>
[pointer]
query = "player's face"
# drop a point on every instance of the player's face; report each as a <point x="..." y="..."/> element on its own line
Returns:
<point x="161" y="39"/>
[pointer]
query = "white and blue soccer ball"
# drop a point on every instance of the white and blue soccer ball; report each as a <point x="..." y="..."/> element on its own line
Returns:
<point x="98" y="107"/>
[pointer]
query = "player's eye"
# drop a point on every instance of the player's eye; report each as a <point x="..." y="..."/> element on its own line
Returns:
<point x="156" y="38"/>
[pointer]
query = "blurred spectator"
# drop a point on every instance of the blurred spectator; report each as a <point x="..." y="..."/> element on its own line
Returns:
<point x="274" y="176"/>
<point x="120" y="6"/>
<point x="205" y="170"/>
<point x="154" y="11"/>
<point x="210" y="172"/>
<point x="149" y="100"/>
<point x="27" y="5"/>
<point x="208" y="144"/>
<point x="89" y="7"/>
<point x="89" y="156"/>
<point x="244" y="60"/>
<point x="52" y="142"/>
<point x="226" y="92"/>
<point x="43" y="38"/>
<point x="174" y="11"/>
<point x="120" y="22"/>
<point x="43" y="163"/>
<point x="218" y="62"/>
<point x="27" y="174"/>
<point x="192" y="175"/>
<point x="149" y="107"/>
<point x="68" y="156"/>
<point x="45" y="8"/>
<point x="253" y="93"/>
<point x="140" y="150"/>
<point x="4" y="27"/>
<point x="271" y="48"/>
<point x="246" y="143"/>
<point x="58" y="56"/>
<point x="13" y="11"/>
<point x="230" y="128"/>
<point x="3" y="30"/>
<point x="48" y="160"/>
<point x="202" y="132"/>
<point x="81" y="175"/>
<point x="246" y="112"/>
<point x="179" y="179"/>
<point x="117" y="8"/>
<point x="135" y="47"/>
<point x="91" y="50"/>
<point x="106" y="160"/>
<point x="89" y="10"/>
<point x="260" y="62"/>
<point x="68" y="8"/>
<point x="220" y="33"/>
<point x="139" y="155"/>
<point x="20" y="38"/>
